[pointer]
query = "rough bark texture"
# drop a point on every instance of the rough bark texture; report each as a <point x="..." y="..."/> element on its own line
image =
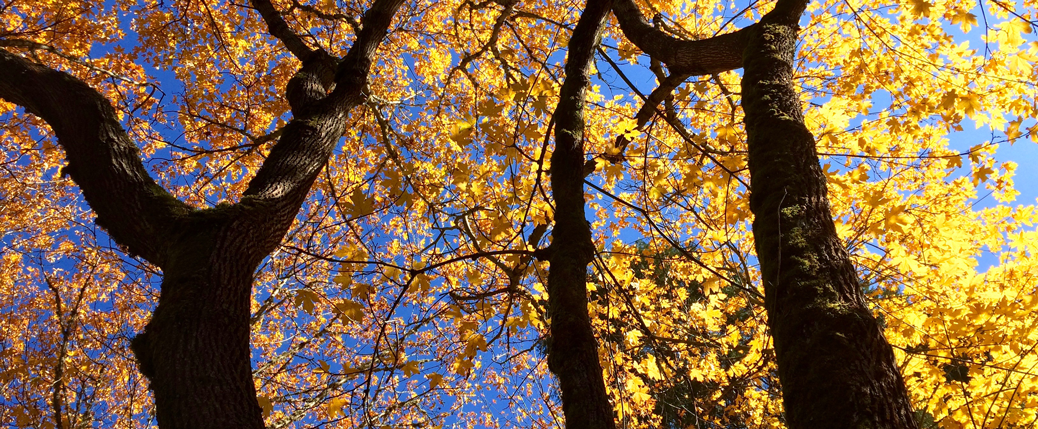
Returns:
<point x="195" y="349"/>
<point x="836" y="368"/>
<point x="573" y="356"/>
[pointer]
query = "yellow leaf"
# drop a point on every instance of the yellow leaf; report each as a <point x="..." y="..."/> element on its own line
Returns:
<point x="343" y="279"/>
<point x="652" y="369"/>
<point x="361" y="291"/>
<point x="949" y="100"/>
<point x="361" y="205"/>
<point x="1008" y="35"/>
<point x="461" y="131"/>
<point x="896" y="219"/>
<point x="965" y="20"/>
<point x="920" y="8"/>
<point x="306" y="299"/>
<point x="981" y="174"/>
<point x="628" y="128"/>
<point x="334" y="407"/>
<point x="462" y="365"/>
<point x="637" y="390"/>
<point x="475" y="341"/>
<point x="411" y="368"/>
<point x="969" y="104"/>
<point x="266" y="405"/>
<point x="351" y="310"/>
<point x="434" y="379"/>
<point x="420" y="284"/>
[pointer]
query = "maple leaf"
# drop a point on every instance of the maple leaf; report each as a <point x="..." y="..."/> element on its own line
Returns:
<point x="351" y="310"/>
<point x="965" y="20"/>
<point x="334" y="407"/>
<point x="306" y="299"/>
<point x="462" y="130"/>
<point x="411" y="368"/>
<point x="981" y="174"/>
<point x="920" y="8"/>
<point x="266" y="405"/>
<point x="434" y="380"/>
<point x="969" y="104"/>
<point x="360" y="205"/>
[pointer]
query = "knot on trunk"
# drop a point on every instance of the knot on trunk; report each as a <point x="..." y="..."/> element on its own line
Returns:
<point x="314" y="80"/>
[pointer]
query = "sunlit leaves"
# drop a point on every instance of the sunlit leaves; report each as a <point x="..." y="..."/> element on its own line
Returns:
<point x="920" y="8"/>
<point x="965" y="20"/>
<point x="351" y="310"/>
<point x="408" y="283"/>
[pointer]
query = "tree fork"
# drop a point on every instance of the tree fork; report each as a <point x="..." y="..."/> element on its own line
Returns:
<point x="195" y="349"/>
<point x="835" y="366"/>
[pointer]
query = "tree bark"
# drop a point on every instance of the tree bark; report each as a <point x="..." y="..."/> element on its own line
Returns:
<point x="691" y="57"/>
<point x="836" y="368"/>
<point x="573" y="355"/>
<point x="195" y="349"/>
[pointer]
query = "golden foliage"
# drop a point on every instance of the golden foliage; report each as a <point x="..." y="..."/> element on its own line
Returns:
<point x="406" y="294"/>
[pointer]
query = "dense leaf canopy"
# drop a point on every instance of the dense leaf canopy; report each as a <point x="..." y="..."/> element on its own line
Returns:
<point x="410" y="291"/>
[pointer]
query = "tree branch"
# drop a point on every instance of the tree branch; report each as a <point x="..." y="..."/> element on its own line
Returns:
<point x="277" y="27"/>
<point x="136" y="211"/>
<point x="682" y="57"/>
<point x="693" y="57"/>
<point x="282" y="183"/>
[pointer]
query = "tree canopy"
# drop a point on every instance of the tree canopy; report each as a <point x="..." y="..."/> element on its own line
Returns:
<point x="400" y="183"/>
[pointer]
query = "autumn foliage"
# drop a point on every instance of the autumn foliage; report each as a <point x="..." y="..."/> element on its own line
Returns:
<point x="411" y="288"/>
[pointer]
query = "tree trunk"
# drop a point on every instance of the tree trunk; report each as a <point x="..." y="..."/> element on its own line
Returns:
<point x="573" y="355"/>
<point x="195" y="349"/>
<point x="836" y="368"/>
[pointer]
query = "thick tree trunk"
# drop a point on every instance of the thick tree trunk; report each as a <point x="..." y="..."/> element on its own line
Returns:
<point x="573" y="355"/>
<point x="836" y="368"/>
<point x="195" y="350"/>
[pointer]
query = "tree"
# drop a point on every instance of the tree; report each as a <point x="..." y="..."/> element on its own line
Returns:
<point x="195" y="349"/>
<point x="413" y="274"/>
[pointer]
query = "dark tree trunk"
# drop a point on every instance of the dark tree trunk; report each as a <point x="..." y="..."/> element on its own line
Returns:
<point x="573" y="355"/>
<point x="836" y="368"/>
<point x="195" y="350"/>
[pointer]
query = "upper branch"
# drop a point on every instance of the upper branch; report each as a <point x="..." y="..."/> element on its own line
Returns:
<point x="352" y="74"/>
<point x="695" y="57"/>
<point x="293" y="164"/>
<point x="137" y="212"/>
<point x="277" y="27"/>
